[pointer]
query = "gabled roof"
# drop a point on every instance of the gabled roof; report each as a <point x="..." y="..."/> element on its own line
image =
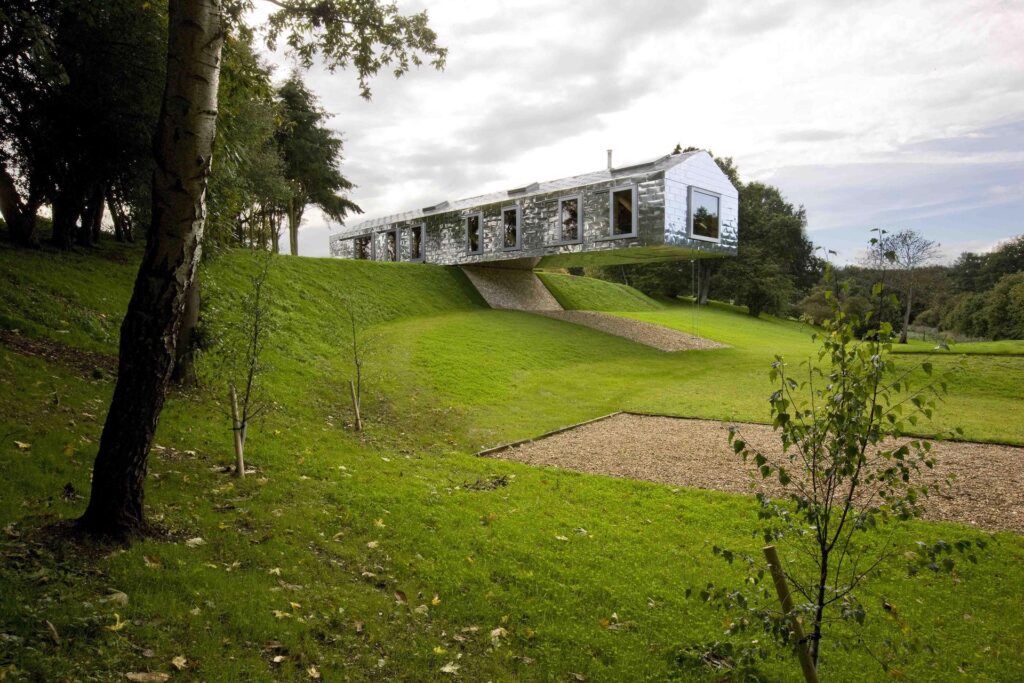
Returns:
<point x="659" y="164"/>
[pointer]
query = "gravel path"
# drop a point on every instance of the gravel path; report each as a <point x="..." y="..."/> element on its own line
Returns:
<point x="657" y="336"/>
<point x="988" y="489"/>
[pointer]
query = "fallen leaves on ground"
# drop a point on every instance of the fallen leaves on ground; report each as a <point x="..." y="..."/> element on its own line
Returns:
<point x="179" y="662"/>
<point x="118" y="624"/>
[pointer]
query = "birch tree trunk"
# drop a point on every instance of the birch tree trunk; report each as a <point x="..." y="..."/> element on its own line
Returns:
<point x="183" y="147"/>
<point x="184" y="373"/>
<point x="237" y="428"/>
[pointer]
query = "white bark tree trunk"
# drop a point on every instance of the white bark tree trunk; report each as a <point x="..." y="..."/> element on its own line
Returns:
<point x="183" y="150"/>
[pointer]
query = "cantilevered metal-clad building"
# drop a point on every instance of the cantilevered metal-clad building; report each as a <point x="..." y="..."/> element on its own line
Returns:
<point x="680" y="206"/>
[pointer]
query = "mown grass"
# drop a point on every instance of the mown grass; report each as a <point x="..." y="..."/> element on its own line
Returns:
<point x="1003" y="347"/>
<point x="584" y="293"/>
<point x="483" y="536"/>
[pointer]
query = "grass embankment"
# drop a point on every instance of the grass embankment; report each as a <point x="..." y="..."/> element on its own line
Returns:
<point x="333" y="554"/>
<point x="588" y="294"/>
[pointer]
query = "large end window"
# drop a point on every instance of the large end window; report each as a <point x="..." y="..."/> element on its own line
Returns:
<point x="391" y="246"/>
<point x="623" y="218"/>
<point x="703" y="215"/>
<point x="569" y="219"/>
<point x="510" y="227"/>
<point x="474" y="233"/>
<point x="361" y="247"/>
<point x="416" y="251"/>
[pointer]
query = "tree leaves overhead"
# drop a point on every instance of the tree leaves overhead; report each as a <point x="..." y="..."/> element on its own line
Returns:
<point x="363" y="34"/>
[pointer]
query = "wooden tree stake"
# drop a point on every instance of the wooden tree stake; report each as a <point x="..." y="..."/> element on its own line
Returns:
<point x="782" y="588"/>
<point x="237" y="429"/>
<point x="355" y="405"/>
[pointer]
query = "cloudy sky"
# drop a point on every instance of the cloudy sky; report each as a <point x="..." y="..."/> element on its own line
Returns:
<point x="892" y="114"/>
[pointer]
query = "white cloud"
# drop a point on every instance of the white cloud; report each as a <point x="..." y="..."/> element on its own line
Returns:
<point x="868" y="95"/>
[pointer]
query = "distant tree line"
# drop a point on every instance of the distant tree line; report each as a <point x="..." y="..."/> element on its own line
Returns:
<point x="82" y="83"/>
<point x="977" y="296"/>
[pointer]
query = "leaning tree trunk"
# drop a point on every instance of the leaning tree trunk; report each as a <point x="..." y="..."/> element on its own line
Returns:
<point x="183" y="149"/>
<point x="122" y="223"/>
<point x="92" y="218"/>
<point x="906" y="314"/>
<point x="184" y="373"/>
<point x="96" y="225"/>
<point x="66" y="212"/>
<point x="19" y="216"/>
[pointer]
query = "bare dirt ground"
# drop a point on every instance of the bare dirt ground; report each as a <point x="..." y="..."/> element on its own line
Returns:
<point x="987" y="491"/>
<point x="90" y="363"/>
<point x="656" y="336"/>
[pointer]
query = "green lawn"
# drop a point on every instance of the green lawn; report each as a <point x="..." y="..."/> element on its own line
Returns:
<point x="307" y="559"/>
<point x="1003" y="347"/>
<point x="584" y="293"/>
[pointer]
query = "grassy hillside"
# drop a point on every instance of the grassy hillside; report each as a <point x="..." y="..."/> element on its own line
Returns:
<point x="395" y="553"/>
<point x="590" y="294"/>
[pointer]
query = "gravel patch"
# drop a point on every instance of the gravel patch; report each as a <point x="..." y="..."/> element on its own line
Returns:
<point x="987" y="492"/>
<point x="649" y="334"/>
<point x="513" y="288"/>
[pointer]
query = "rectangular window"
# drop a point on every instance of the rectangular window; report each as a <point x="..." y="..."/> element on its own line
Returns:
<point x="416" y="251"/>
<point x="361" y="247"/>
<point x="569" y="219"/>
<point x="474" y="233"/>
<point x="623" y="211"/>
<point x="391" y="245"/>
<point x="510" y="227"/>
<point x="703" y="215"/>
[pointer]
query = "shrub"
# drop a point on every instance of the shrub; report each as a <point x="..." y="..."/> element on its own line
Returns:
<point x="1003" y="311"/>
<point x="964" y="315"/>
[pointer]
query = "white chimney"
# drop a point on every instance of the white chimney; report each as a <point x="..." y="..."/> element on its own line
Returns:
<point x="609" y="160"/>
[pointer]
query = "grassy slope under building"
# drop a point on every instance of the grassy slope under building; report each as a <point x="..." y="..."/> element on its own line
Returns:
<point x="307" y="559"/>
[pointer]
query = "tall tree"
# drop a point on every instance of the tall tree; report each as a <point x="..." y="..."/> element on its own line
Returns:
<point x="369" y="35"/>
<point x="248" y="189"/>
<point x="83" y="136"/>
<point x="183" y="148"/>
<point x="906" y="252"/>
<point x="312" y="154"/>
<point x="28" y="69"/>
